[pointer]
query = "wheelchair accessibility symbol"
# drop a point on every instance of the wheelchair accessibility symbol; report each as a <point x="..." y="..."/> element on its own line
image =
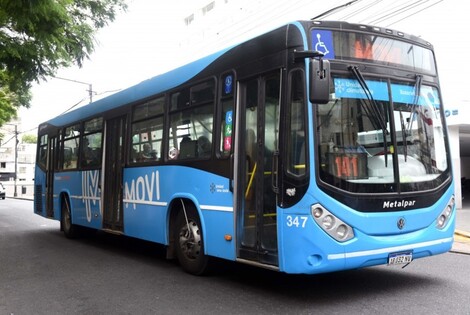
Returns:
<point x="322" y="41"/>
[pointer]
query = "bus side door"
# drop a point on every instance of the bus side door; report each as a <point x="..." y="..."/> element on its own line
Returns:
<point x="113" y="170"/>
<point x="50" y="168"/>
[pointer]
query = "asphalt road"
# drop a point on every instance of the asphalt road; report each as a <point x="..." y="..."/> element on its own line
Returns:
<point x="42" y="272"/>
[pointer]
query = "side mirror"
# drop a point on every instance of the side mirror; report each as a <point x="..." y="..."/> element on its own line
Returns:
<point x="319" y="81"/>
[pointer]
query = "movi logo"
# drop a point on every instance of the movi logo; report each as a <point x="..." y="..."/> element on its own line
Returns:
<point x="91" y="192"/>
<point x="143" y="190"/>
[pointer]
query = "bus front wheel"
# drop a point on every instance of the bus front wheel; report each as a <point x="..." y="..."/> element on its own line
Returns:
<point x="70" y="230"/>
<point x="189" y="242"/>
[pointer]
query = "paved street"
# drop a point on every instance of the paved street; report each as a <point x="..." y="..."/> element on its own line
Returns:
<point x="42" y="272"/>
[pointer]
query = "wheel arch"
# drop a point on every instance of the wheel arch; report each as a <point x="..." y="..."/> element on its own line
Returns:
<point x="175" y="206"/>
<point x="63" y="196"/>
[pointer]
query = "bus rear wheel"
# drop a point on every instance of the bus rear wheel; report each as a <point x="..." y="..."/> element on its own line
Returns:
<point x="70" y="230"/>
<point x="189" y="243"/>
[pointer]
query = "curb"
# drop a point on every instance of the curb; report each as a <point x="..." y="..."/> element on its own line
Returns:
<point x="462" y="233"/>
<point x="460" y="248"/>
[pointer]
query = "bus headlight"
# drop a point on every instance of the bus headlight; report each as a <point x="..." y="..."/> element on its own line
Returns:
<point x="445" y="215"/>
<point x="332" y="225"/>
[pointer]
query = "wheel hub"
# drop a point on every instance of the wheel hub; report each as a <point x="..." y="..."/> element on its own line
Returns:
<point x="190" y="240"/>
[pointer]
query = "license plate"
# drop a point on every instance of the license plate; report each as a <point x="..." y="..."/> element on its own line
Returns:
<point x="400" y="258"/>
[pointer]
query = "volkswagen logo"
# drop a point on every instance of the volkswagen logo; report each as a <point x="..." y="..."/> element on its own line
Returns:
<point x="401" y="223"/>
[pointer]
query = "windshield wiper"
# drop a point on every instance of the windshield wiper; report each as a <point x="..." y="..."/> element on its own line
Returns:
<point x="404" y="135"/>
<point x="373" y="112"/>
<point x="417" y="88"/>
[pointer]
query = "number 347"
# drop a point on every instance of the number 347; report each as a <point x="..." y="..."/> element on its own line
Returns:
<point x="296" y="221"/>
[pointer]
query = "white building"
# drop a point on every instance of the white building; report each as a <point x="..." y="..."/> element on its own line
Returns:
<point x="459" y="134"/>
<point x="24" y="155"/>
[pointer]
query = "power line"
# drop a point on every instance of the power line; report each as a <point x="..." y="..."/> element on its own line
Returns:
<point x="379" y="11"/>
<point x="415" y="13"/>
<point x="359" y="10"/>
<point x="398" y="11"/>
<point x="13" y="137"/>
<point x="377" y="8"/>
<point x="333" y="10"/>
<point x="72" y="107"/>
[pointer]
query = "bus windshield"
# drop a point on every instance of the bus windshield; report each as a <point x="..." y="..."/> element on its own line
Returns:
<point x="358" y="155"/>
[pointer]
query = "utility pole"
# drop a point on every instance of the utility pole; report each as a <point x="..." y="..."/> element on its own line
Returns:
<point x="15" y="193"/>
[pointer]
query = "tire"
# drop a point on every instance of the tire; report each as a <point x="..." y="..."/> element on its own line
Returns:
<point x="189" y="243"/>
<point x="70" y="230"/>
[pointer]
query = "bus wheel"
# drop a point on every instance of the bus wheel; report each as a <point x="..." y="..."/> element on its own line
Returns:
<point x="70" y="230"/>
<point x="189" y="243"/>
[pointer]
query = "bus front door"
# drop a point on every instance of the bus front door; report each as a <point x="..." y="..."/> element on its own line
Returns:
<point x="257" y="142"/>
<point x="113" y="169"/>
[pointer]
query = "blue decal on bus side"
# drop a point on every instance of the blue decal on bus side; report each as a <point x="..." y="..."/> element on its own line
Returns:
<point x="406" y="94"/>
<point x="350" y="88"/>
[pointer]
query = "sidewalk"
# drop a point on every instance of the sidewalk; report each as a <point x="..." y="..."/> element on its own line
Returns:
<point x="462" y="231"/>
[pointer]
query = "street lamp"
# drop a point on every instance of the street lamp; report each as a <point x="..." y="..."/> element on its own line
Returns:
<point x="90" y="88"/>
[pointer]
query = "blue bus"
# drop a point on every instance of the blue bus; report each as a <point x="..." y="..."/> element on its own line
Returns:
<point x="316" y="147"/>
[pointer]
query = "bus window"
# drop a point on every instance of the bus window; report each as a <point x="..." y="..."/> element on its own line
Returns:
<point x="147" y="131"/>
<point x="90" y="155"/>
<point x="147" y="140"/>
<point x="42" y="151"/>
<point x="296" y="133"/>
<point x="149" y="109"/>
<point x="203" y="93"/>
<point x="70" y="147"/>
<point x="179" y="100"/>
<point x="190" y="134"/>
<point x="92" y="142"/>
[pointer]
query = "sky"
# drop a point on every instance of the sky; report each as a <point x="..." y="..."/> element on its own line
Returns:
<point x="146" y="41"/>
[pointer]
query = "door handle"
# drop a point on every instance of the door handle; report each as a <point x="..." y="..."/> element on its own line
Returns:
<point x="274" y="175"/>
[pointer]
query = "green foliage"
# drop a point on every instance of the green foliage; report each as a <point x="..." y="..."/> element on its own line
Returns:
<point x="29" y="139"/>
<point x="37" y="37"/>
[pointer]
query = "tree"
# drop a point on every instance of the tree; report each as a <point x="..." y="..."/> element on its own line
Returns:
<point x="29" y="139"/>
<point x="37" y="37"/>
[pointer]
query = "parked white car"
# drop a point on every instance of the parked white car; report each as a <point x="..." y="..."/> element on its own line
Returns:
<point x="2" y="191"/>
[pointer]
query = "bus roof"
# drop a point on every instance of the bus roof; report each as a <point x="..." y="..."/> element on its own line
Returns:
<point x="142" y="90"/>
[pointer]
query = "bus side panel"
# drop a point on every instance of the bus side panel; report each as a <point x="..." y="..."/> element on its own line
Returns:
<point x="144" y="208"/>
<point x="40" y="192"/>
<point x="84" y="195"/>
<point x="218" y="225"/>
<point x="149" y="191"/>
<point x="147" y="222"/>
